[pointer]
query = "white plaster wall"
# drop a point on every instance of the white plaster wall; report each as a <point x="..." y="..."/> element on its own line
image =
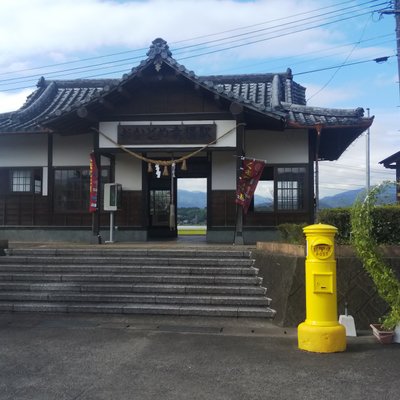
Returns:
<point x="289" y="146"/>
<point x="226" y="132"/>
<point x="23" y="151"/>
<point x="223" y="171"/>
<point x="128" y="172"/>
<point x="72" y="150"/>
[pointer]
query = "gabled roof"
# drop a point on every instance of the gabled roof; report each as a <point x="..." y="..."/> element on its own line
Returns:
<point x="274" y="96"/>
<point x="391" y="161"/>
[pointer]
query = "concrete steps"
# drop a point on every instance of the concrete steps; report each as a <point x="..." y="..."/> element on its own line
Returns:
<point x="133" y="281"/>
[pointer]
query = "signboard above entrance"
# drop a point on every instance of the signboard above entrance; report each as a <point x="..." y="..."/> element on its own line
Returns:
<point x="166" y="134"/>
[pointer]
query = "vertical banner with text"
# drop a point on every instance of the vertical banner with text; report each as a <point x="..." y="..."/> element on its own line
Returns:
<point x="93" y="184"/>
<point x="248" y="180"/>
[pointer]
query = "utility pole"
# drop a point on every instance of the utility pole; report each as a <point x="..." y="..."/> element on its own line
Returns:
<point x="396" y="13"/>
<point x="368" y="162"/>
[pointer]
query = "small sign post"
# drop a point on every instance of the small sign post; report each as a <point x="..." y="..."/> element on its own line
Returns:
<point x="112" y="203"/>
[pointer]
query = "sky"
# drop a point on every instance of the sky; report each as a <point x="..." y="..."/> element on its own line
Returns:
<point x="336" y="49"/>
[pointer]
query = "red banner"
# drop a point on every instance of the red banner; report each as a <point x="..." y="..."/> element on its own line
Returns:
<point x="93" y="183"/>
<point x="248" y="180"/>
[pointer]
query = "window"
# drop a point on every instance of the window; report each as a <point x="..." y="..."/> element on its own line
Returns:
<point x="290" y="184"/>
<point x="26" y="180"/>
<point x="71" y="188"/>
<point x="159" y="207"/>
<point x="21" y="180"/>
<point x="264" y="196"/>
<point x="280" y="189"/>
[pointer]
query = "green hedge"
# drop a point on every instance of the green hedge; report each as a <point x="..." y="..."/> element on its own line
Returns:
<point x="385" y="222"/>
<point x="292" y="233"/>
<point x="386" y="225"/>
<point x="340" y="218"/>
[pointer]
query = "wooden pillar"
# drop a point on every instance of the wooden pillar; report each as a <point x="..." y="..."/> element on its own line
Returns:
<point x="209" y="190"/>
<point x="311" y="183"/>
<point x="50" y="179"/>
<point x="96" y="215"/>
<point x="240" y="152"/>
<point x="145" y="219"/>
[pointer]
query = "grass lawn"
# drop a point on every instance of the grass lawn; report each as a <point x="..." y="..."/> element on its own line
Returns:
<point x="192" y="230"/>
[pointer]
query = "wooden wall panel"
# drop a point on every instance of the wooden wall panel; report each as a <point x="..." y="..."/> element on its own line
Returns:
<point x="72" y="219"/>
<point x="3" y="210"/>
<point x="169" y="97"/>
<point x="132" y="210"/>
<point x="34" y="210"/>
<point x="223" y="208"/>
<point x="4" y="181"/>
<point x="42" y="216"/>
<point x="13" y="210"/>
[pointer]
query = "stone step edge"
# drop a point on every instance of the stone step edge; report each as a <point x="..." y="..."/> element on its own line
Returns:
<point x="115" y="297"/>
<point x="192" y="253"/>
<point x="119" y="287"/>
<point x="125" y="269"/>
<point x="133" y="279"/>
<point x="115" y="261"/>
<point x="144" y="308"/>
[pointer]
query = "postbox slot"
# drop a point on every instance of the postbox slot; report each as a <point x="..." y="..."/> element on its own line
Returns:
<point x="323" y="282"/>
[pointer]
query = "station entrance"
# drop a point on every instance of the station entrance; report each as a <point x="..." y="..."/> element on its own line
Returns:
<point x="163" y="199"/>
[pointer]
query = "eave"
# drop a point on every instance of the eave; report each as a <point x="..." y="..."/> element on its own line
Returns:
<point x="391" y="161"/>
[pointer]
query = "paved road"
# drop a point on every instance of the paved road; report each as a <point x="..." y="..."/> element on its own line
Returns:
<point x="85" y="357"/>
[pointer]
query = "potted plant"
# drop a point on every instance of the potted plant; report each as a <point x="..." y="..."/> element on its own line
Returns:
<point x="386" y="283"/>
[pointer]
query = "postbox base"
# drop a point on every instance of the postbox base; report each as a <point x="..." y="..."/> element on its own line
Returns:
<point x="321" y="339"/>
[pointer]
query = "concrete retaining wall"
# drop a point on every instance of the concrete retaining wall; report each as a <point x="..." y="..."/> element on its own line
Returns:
<point x="282" y="267"/>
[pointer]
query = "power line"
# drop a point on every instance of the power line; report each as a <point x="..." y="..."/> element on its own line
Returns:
<point x="188" y="40"/>
<point x="305" y="54"/>
<point x="195" y="47"/>
<point x="56" y="74"/>
<point x="71" y="62"/>
<point x="342" y="65"/>
<point x="269" y="21"/>
<point x="274" y="37"/>
<point x="119" y="63"/>
<point x="282" y="27"/>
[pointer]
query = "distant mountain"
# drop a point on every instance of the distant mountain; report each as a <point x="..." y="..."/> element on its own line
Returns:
<point x="346" y="199"/>
<point x="187" y="199"/>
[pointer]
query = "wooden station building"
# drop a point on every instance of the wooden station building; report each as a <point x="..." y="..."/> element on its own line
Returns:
<point x="162" y="118"/>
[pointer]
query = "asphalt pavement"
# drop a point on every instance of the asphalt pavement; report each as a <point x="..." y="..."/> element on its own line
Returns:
<point x="82" y="357"/>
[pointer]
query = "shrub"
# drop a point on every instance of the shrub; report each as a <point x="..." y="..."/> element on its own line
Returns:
<point x="385" y="224"/>
<point x="340" y="218"/>
<point x="363" y="219"/>
<point x="292" y="233"/>
<point x="385" y="227"/>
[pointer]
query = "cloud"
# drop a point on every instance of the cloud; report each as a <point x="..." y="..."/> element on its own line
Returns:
<point x="13" y="101"/>
<point x="349" y="172"/>
<point x="46" y="27"/>
<point x="329" y="96"/>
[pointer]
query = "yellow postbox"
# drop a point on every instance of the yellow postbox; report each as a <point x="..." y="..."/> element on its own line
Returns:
<point x="321" y="331"/>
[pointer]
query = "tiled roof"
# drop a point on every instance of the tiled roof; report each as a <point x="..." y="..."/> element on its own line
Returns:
<point x="275" y="95"/>
<point x="261" y="88"/>
<point x="50" y="99"/>
<point x="391" y="161"/>
<point x="305" y="116"/>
